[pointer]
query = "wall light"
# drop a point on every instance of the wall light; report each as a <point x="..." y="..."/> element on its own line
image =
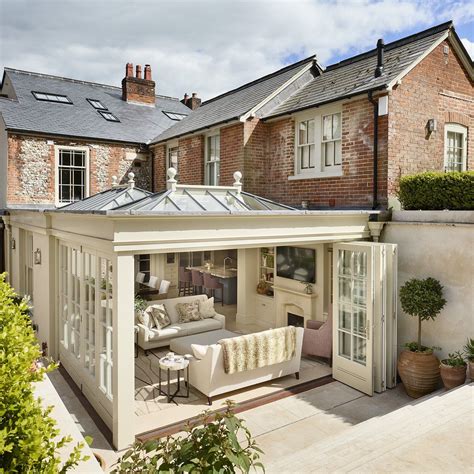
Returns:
<point x="37" y="256"/>
<point x="13" y="244"/>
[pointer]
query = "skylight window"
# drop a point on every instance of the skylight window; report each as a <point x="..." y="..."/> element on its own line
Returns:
<point x="109" y="116"/>
<point x="46" y="97"/>
<point x="175" y="116"/>
<point x="97" y="104"/>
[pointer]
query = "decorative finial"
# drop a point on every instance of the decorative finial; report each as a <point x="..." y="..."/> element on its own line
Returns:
<point x="171" y="183"/>
<point x="131" y="180"/>
<point x="238" y="184"/>
<point x="114" y="181"/>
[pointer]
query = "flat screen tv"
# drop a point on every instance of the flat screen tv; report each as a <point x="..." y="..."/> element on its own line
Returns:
<point x="296" y="263"/>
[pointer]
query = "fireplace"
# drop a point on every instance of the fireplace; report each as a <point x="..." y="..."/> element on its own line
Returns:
<point x="295" y="320"/>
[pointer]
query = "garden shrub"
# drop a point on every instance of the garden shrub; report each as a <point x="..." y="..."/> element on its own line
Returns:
<point x="27" y="432"/>
<point x="437" y="191"/>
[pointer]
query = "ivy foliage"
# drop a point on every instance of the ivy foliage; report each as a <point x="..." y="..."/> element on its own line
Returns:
<point x="437" y="191"/>
<point x="219" y="443"/>
<point x="27" y="432"/>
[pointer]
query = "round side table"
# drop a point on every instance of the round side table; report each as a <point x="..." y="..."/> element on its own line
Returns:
<point x="181" y="367"/>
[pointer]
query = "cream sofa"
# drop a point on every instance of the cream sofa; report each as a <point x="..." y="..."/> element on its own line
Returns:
<point x="153" y="338"/>
<point x="208" y="375"/>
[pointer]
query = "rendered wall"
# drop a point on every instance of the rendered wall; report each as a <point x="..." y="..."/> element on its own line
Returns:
<point x="444" y="252"/>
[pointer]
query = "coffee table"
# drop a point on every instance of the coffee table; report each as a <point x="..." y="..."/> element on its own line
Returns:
<point x="179" y="365"/>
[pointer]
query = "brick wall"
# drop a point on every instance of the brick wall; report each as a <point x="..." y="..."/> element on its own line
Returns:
<point x="232" y="153"/>
<point x="32" y="174"/>
<point x="159" y="167"/>
<point x="354" y="188"/>
<point x="191" y="160"/>
<point x="438" y="88"/>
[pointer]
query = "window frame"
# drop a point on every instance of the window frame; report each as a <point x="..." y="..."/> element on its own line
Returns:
<point x="171" y="146"/>
<point x="57" y="150"/>
<point x="319" y="170"/>
<point x="173" y="115"/>
<point x="455" y="128"/>
<point x="216" y="173"/>
<point x="91" y="101"/>
<point x="101" y="112"/>
<point x="67" y="102"/>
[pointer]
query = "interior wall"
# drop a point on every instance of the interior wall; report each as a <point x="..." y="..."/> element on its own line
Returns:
<point x="445" y="252"/>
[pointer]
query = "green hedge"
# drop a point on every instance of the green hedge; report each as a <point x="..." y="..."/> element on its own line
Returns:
<point x="437" y="191"/>
<point x="28" y="434"/>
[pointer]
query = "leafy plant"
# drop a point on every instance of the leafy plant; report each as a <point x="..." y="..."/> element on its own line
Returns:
<point x="422" y="299"/>
<point x="211" y="446"/>
<point x="437" y="191"/>
<point x="27" y="432"/>
<point x="469" y="349"/>
<point x="455" y="359"/>
<point x="140" y="304"/>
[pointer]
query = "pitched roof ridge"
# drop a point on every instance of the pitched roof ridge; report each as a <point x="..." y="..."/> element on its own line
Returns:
<point x="77" y="81"/>
<point x="393" y="44"/>
<point x="261" y="79"/>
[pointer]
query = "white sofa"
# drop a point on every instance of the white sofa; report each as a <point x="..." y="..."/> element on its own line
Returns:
<point x="153" y="338"/>
<point x="208" y="375"/>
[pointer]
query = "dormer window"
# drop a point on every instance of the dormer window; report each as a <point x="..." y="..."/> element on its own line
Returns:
<point x="109" y="116"/>
<point x="47" y="97"/>
<point x="97" y="104"/>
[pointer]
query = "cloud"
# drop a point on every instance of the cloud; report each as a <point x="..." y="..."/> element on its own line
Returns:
<point x="469" y="46"/>
<point x="200" y="46"/>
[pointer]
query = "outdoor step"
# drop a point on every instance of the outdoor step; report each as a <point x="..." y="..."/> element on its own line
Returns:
<point x="370" y="439"/>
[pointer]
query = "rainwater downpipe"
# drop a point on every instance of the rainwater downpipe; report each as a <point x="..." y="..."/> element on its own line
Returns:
<point x="375" y="104"/>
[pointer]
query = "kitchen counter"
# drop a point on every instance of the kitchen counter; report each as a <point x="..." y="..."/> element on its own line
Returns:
<point x="216" y="271"/>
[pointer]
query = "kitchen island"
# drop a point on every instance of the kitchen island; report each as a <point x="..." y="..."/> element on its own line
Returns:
<point x="226" y="276"/>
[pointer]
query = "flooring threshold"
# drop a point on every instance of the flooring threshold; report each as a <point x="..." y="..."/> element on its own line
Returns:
<point x="178" y="426"/>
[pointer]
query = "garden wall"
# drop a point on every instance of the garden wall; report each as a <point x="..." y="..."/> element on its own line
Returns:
<point x="445" y="251"/>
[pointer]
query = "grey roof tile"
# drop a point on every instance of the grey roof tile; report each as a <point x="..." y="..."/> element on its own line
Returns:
<point x="356" y="75"/>
<point x="138" y="123"/>
<point x="232" y="104"/>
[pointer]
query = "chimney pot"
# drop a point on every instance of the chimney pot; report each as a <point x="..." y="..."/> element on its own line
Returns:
<point x="380" y="53"/>
<point x="147" y="72"/>
<point x="129" y="70"/>
<point x="194" y="95"/>
<point x="138" y="72"/>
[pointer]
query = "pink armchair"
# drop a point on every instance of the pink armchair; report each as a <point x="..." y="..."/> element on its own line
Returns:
<point x="317" y="339"/>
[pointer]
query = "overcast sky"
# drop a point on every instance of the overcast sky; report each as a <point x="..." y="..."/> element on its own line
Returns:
<point x="206" y="46"/>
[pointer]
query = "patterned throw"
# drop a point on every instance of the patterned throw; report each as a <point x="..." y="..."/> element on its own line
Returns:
<point x="253" y="351"/>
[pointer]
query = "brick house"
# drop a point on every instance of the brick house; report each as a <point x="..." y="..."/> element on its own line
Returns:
<point x="304" y="135"/>
<point x="63" y="139"/>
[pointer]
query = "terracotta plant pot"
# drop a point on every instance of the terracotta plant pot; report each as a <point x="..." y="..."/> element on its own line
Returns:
<point x="452" y="376"/>
<point x="419" y="372"/>
<point x="471" y="369"/>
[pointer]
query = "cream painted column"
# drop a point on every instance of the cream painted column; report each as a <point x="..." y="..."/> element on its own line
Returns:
<point x="247" y="279"/>
<point x="15" y="260"/>
<point x="123" y="354"/>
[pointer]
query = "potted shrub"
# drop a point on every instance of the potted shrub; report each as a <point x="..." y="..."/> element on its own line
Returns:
<point x="417" y="365"/>
<point x="469" y="348"/>
<point x="453" y="370"/>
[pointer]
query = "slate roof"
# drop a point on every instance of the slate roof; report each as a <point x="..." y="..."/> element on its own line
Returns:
<point x="106" y="200"/>
<point x="233" y="104"/>
<point x="356" y="75"/>
<point x="138" y="123"/>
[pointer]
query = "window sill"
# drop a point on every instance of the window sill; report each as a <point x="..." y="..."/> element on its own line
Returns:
<point x="333" y="174"/>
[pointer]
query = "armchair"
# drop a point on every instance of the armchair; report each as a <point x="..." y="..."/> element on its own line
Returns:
<point x="317" y="339"/>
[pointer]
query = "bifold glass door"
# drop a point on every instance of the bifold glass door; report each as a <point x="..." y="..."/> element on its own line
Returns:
<point x="363" y="338"/>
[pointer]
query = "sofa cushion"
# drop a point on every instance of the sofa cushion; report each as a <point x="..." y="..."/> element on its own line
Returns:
<point x="203" y="325"/>
<point x="144" y="317"/>
<point x="188" y="311"/>
<point x="171" y="331"/>
<point x="199" y="351"/>
<point x="170" y="304"/>
<point x="206" y="308"/>
<point x="160" y="315"/>
<point x="182" y="345"/>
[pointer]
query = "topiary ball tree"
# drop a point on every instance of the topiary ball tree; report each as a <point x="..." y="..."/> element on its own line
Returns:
<point x="422" y="299"/>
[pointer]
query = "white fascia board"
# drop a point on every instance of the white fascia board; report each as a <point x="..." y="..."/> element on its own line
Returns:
<point x="461" y="54"/>
<point x="253" y="110"/>
<point x="415" y="63"/>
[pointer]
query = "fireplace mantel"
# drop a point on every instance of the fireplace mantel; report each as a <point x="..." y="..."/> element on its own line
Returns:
<point x="286" y="300"/>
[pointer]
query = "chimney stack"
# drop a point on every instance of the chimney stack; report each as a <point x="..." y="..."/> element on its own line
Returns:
<point x="138" y="89"/>
<point x="192" y="102"/>
<point x="380" y="51"/>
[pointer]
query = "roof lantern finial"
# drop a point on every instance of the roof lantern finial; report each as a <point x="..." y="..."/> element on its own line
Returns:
<point x="238" y="184"/>
<point x="115" y="182"/>
<point x="171" y="183"/>
<point x="131" y="180"/>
